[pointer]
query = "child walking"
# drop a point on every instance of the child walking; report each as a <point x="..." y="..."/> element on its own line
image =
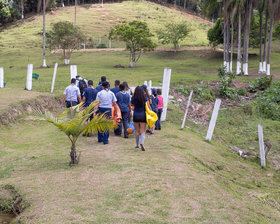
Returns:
<point x="160" y="107"/>
<point x="154" y="106"/>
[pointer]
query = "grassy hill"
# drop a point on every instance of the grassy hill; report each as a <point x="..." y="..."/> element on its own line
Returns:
<point x="96" y="21"/>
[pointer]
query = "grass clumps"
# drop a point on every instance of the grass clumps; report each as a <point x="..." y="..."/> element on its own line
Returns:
<point x="11" y="201"/>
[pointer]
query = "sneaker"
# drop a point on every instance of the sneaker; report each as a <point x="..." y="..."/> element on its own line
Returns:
<point x="137" y="147"/>
<point x="148" y="131"/>
<point x="152" y="133"/>
<point x="142" y="147"/>
<point x="126" y="136"/>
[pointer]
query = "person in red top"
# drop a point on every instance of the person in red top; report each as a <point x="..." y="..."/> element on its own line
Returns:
<point x="160" y="107"/>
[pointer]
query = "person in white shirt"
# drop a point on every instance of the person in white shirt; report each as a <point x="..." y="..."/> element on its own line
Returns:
<point x="72" y="95"/>
<point x="106" y="98"/>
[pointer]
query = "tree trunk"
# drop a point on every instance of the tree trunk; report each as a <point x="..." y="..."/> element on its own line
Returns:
<point x="265" y="43"/>
<point x="261" y="31"/>
<point x="39" y="6"/>
<point x="238" y="66"/>
<point x="44" y="35"/>
<point x="73" y="155"/>
<point x="225" y="35"/>
<point x="228" y="39"/>
<point x="75" y="12"/>
<point x="248" y="12"/>
<point x="22" y="9"/>
<point x="269" y="45"/>
<point x="185" y="4"/>
<point x="231" y="45"/>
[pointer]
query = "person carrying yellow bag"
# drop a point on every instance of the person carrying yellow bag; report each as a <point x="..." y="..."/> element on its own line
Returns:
<point x="151" y="117"/>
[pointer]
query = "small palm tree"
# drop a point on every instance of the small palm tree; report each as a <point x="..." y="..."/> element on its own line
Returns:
<point x="72" y="121"/>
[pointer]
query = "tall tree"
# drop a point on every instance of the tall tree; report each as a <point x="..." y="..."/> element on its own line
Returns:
<point x="261" y="7"/>
<point x="274" y="11"/>
<point x="44" y="35"/>
<point x="265" y="40"/>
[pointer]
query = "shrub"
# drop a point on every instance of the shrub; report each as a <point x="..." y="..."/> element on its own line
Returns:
<point x="261" y="83"/>
<point x="101" y="46"/>
<point x="225" y="82"/>
<point x="203" y="94"/>
<point x="267" y="102"/>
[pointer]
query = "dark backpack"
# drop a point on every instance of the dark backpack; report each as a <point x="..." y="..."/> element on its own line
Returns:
<point x="82" y="86"/>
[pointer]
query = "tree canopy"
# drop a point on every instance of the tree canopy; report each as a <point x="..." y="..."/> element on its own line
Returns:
<point x="173" y="33"/>
<point x="136" y="35"/>
<point x="65" y="36"/>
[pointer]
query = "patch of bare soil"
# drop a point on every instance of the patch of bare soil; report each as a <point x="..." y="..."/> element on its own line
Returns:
<point x="200" y="112"/>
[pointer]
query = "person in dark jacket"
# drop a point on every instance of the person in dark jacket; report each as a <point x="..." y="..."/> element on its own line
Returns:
<point x="99" y="87"/>
<point x="90" y="94"/>
<point x="115" y="90"/>
<point x="154" y="106"/>
<point x="123" y="101"/>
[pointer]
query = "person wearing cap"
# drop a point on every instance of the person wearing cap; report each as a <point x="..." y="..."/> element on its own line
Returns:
<point x="115" y="90"/>
<point x="71" y="95"/>
<point x="145" y="88"/>
<point x="106" y="98"/>
<point x="123" y="100"/>
<point x="99" y="87"/>
<point x="154" y="106"/>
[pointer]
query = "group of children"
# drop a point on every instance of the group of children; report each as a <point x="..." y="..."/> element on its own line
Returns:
<point x="119" y="96"/>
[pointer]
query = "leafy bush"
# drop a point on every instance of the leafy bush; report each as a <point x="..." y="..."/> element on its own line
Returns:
<point x="267" y="102"/>
<point x="261" y="83"/>
<point x="215" y="34"/>
<point x="241" y="91"/>
<point x="101" y="46"/>
<point x="203" y="94"/>
<point x="226" y="80"/>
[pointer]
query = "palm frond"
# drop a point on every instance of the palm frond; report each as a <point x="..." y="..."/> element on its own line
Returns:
<point x="100" y="123"/>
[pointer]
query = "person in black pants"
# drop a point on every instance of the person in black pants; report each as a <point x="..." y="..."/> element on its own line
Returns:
<point x="123" y="101"/>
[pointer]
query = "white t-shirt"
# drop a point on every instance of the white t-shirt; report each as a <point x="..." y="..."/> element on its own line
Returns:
<point x="106" y="98"/>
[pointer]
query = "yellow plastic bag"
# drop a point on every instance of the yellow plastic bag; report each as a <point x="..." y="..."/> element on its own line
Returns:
<point x="151" y="116"/>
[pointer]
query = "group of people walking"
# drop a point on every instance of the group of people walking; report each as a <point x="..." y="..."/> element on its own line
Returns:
<point x="130" y="104"/>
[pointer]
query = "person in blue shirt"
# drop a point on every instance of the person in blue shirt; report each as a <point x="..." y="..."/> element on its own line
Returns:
<point x="72" y="95"/>
<point x="123" y="101"/>
<point x="106" y="98"/>
<point x="90" y="94"/>
<point x="99" y="87"/>
<point x="154" y="105"/>
<point x="116" y="89"/>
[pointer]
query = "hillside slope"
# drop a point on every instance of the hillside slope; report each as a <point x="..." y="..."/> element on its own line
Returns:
<point x="179" y="179"/>
<point x="96" y="21"/>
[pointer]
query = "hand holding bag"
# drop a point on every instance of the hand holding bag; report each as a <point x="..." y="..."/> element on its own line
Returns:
<point x="151" y="117"/>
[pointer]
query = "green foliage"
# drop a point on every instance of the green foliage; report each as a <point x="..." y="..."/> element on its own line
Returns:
<point x="267" y="103"/>
<point x="226" y="80"/>
<point x="173" y="33"/>
<point x="215" y="34"/>
<point x="65" y="36"/>
<point x="72" y="122"/>
<point x="202" y="94"/>
<point x="136" y="35"/>
<point x="5" y="13"/>
<point x="261" y="83"/>
<point x="276" y="32"/>
<point x="101" y="46"/>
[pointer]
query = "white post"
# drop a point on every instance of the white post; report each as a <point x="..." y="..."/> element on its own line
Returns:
<point x="73" y="71"/>
<point x="165" y="91"/>
<point x="110" y="43"/>
<point x="187" y="108"/>
<point x="29" y="77"/>
<point x="54" y="75"/>
<point x="145" y="83"/>
<point x="261" y="144"/>
<point x="1" y="77"/>
<point x="150" y="87"/>
<point x="213" y="120"/>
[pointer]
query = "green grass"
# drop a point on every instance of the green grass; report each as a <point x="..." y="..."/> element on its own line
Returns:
<point x="179" y="179"/>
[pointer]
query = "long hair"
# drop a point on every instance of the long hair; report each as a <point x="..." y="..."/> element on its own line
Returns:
<point x="147" y="93"/>
<point x="139" y="96"/>
<point x="126" y="85"/>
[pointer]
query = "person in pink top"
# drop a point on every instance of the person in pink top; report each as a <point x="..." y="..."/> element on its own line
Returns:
<point x="160" y="106"/>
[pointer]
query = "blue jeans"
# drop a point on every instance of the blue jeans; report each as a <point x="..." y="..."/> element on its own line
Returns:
<point x="123" y="123"/>
<point x="158" y="123"/>
<point x="104" y="136"/>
